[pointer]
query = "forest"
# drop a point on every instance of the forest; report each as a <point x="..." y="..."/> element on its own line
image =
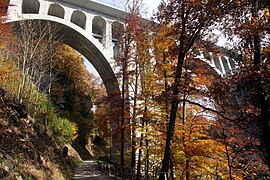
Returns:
<point x="177" y="118"/>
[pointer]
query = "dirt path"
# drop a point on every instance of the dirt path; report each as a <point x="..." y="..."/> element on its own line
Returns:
<point x="89" y="170"/>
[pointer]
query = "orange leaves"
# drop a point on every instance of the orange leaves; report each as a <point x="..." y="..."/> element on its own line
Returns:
<point x="71" y="63"/>
<point x="4" y="28"/>
<point x="193" y="142"/>
<point x="9" y="75"/>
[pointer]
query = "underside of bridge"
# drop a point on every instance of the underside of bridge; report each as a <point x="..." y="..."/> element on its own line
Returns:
<point x="81" y="44"/>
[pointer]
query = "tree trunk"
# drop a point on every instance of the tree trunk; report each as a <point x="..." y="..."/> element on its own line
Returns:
<point x="133" y="124"/>
<point x="187" y="169"/>
<point x="138" y="175"/>
<point x="122" y="148"/>
<point x="266" y="127"/>
<point x="261" y="95"/>
<point x="146" y="144"/>
<point x="123" y="103"/>
<point x="166" y="87"/>
<point x="174" y="108"/>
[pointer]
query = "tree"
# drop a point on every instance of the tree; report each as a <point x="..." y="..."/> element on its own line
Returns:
<point x="125" y="61"/>
<point x="4" y="28"/>
<point x="206" y="157"/>
<point x="250" y="25"/>
<point x="33" y="48"/>
<point x="73" y="90"/>
<point x="189" y="21"/>
<point x="26" y="67"/>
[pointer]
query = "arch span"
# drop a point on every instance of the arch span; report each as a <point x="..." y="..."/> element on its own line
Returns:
<point x="56" y="10"/>
<point x="30" y="6"/>
<point x="86" y="44"/>
<point x="99" y="28"/>
<point x="78" y="18"/>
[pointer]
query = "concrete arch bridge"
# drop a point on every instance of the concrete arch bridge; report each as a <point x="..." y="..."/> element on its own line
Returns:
<point x="92" y="28"/>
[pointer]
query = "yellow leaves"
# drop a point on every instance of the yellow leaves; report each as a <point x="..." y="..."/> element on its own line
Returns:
<point x="9" y="75"/>
<point x="4" y="71"/>
<point x="193" y="142"/>
<point x="69" y="62"/>
<point x="140" y="147"/>
<point x="74" y="130"/>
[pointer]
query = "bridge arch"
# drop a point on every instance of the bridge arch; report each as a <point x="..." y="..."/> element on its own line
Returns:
<point x="56" y="10"/>
<point x="84" y="43"/>
<point x="99" y="28"/>
<point x="78" y="18"/>
<point x="117" y="29"/>
<point x="222" y="61"/>
<point x="30" y="6"/>
<point x="117" y="33"/>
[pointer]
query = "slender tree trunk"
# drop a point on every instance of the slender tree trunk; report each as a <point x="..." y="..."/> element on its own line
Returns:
<point x="139" y="164"/>
<point x="175" y="94"/>
<point x="166" y="87"/>
<point x="133" y="142"/>
<point x="174" y="108"/>
<point x="49" y="94"/>
<point x="147" y="156"/>
<point x="146" y="142"/>
<point x="187" y="168"/>
<point x="228" y="157"/>
<point x="122" y="148"/>
<point x="261" y="94"/>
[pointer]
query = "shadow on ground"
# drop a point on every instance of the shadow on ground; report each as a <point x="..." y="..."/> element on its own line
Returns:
<point x="82" y="151"/>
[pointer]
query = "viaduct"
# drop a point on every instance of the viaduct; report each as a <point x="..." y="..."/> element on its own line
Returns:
<point x="90" y="28"/>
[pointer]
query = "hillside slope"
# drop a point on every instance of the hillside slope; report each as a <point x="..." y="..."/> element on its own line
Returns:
<point x="27" y="150"/>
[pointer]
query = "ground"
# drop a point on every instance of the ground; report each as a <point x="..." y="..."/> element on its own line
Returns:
<point x="27" y="150"/>
<point x="90" y="170"/>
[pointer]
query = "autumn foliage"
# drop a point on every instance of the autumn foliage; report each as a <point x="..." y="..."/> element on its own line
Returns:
<point x="169" y="89"/>
<point x="178" y="118"/>
<point x="4" y="28"/>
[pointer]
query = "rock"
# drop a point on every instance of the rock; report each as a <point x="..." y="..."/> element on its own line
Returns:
<point x="65" y="151"/>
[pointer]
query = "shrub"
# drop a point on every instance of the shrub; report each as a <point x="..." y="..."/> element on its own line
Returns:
<point x="63" y="129"/>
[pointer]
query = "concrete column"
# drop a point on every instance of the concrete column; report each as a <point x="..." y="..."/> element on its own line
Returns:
<point x="222" y="66"/>
<point x="212" y="59"/>
<point x="108" y="35"/>
<point x="228" y="62"/>
<point x="44" y="7"/>
<point x="88" y="25"/>
<point x="107" y="38"/>
<point x="16" y="9"/>
<point x="68" y="13"/>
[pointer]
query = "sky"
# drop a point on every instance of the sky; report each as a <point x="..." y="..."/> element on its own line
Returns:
<point x="149" y="5"/>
